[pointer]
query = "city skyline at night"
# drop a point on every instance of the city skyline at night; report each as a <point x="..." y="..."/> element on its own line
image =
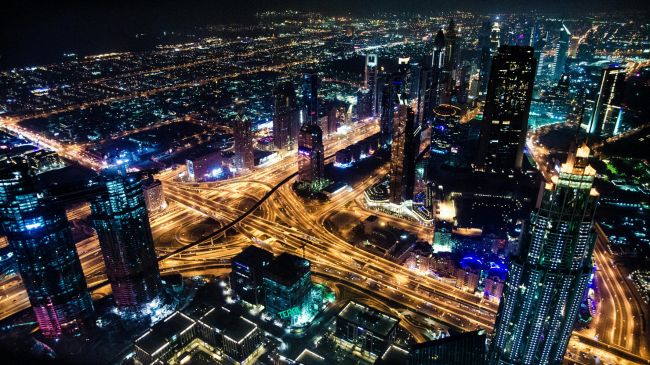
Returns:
<point x="345" y="183"/>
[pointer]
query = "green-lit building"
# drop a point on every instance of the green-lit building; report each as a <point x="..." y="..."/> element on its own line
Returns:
<point x="548" y="278"/>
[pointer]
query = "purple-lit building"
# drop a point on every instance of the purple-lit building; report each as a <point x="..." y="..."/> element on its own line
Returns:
<point x="39" y="235"/>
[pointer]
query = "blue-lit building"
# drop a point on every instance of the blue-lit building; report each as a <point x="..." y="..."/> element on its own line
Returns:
<point x="247" y="273"/>
<point x="120" y="217"/>
<point x="289" y="290"/>
<point x="548" y="278"/>
<point x="39" y="235"/>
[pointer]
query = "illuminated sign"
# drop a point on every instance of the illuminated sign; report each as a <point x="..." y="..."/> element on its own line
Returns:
<point x="291" y="312"/>
<point x="371" y="60"/>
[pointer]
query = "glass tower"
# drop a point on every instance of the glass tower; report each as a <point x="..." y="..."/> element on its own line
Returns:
<point x="39" y="236"/>
<point x="286" y="121"/>
<point x="406" y="135"/>
<point x="548" y="278"/>
<point x="505" y="119"/>
<point x="119" y="215"/>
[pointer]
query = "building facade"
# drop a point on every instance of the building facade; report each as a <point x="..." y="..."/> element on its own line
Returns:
<point x="244" y="153"/>
<point x="286" y="120"/>
<point x="548" y="278"/>
<point x="311" y="155"/>
<point x="39" y="235"/>
<point x="120" y="217"/>
<point x="505" y="119"/>
<point x="247" y="273"/>
<point x="607" y="112"/>
<point x="403" y="153"/>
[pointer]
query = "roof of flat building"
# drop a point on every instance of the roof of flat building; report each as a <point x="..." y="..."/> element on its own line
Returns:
<point x="287" y="269"/>
<point x="236" y="328"/>
<point x="308" y="357"/>
<point x="253" y="256"/>
<point x="163" y="332"/>
<point x="368" y="318"/>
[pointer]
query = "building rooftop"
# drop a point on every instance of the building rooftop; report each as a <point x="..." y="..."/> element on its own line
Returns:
<point x="163" y="332"/>
<point x="308" y="357"/>
<point x="252" y="256"/>
<point x="287" y="269"/>
<point x="368" y="318"/>
<point x="393" y="356"/>
<point x="236" y="328"/>
<point x="465" y="336"/>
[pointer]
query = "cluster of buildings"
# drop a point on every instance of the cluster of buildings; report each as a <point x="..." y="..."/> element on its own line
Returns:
<point x="38" y="233"/>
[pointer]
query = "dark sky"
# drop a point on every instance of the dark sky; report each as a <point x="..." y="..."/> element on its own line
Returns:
<point x="33" y="33"/>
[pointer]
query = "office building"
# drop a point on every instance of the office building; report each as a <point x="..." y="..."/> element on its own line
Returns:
<point x="505" y="118"/>
<point x="462" y="349"/>
<point x="333" y="120"/>
<point x="288" y="290"/>
<point x="608" y="112"/>
<point x="286" y="119"/>
<point x="120" y="217"/>
<point x="235" y="337"/>
<point x="370" y="81"/>
<point x="438" y="59"/>
<point x="243" y="133"/>
<point x="561" y="52"/>
<point x="406" y="138"/>
<point x="310" y="98"/>
<point x="452" y="53"/>
<point x="311" y="156"/>
<point x="366" y="329"/>
<point x="39" y="235"/>
<point x="154" y="195"/>
<point x="247" y="273"/>
<point x="548" y="278"/>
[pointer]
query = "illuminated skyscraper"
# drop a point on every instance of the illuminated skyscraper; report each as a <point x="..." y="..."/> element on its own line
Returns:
<point x="607" y="112"/>
<point x="561" y="52"/>
<point x="548" y="278"/>
<point x="39" y="235"/>
<point x="310" y="97"/>
<point x="486" y="57"/>
<point x="505" y="119"/>
<point x="286" y="120"/>
<point x="243" y="143"/>
<point x="406" y="138"/>
<point x="311" y="155"/>
<point x="451" y="53"/>
<point x="119" y="215"/>
<point x="370" y="81"/>
<point x="391" y="87"/>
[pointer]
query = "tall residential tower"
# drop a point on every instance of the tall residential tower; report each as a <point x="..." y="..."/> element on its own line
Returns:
<point x="548" y="278"/>
<point x="39" y="235"/>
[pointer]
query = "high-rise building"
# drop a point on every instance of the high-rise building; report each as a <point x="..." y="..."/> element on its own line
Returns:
<point x="288" y="287"/>
<point x="406" y="137"/>
<point x="311" y="155"/>
<point x="244" y="156"/>
<point x="486" y="57"/>
<point x="247" y="272"/>
<point x="561" y="51"/>
<point x="505" y="118"/>
<point x="607" y="112"/>
<point x="286" y="120"/>
<point x="39" y="235"/>
<point x="332" y="120"/>
<point x="438" y="59"/>
<point x="548" y="278"/>
<point x="370" y="81"/>
<point x="119" y="215"/>
<point x="452" y="53"/>
<point x="392" y="89"/>
<point x="154" y="195"/>
<point x="310" y="97"/>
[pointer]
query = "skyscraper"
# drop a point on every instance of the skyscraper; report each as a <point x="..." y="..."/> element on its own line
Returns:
<point x="39" y="235"/>
<point x="437" y="66"/>
<point x="452" y="53"/>
<point x="561" y="52"/>
<point x="119" y="215"/>
<point x="548" y="278"/>
<point x="406" y="137"/>
<point x="243" y="142"/>
<point x="607" y="113"/>
<point x="286" y="121"/>
<point x="486" y="56"/>
<point x="310" y="97"/>
<point x="391" y="87"/>
<point x="370" y="81"/>
<point x="505" y="119"/>
<point x="311" y="155"/>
